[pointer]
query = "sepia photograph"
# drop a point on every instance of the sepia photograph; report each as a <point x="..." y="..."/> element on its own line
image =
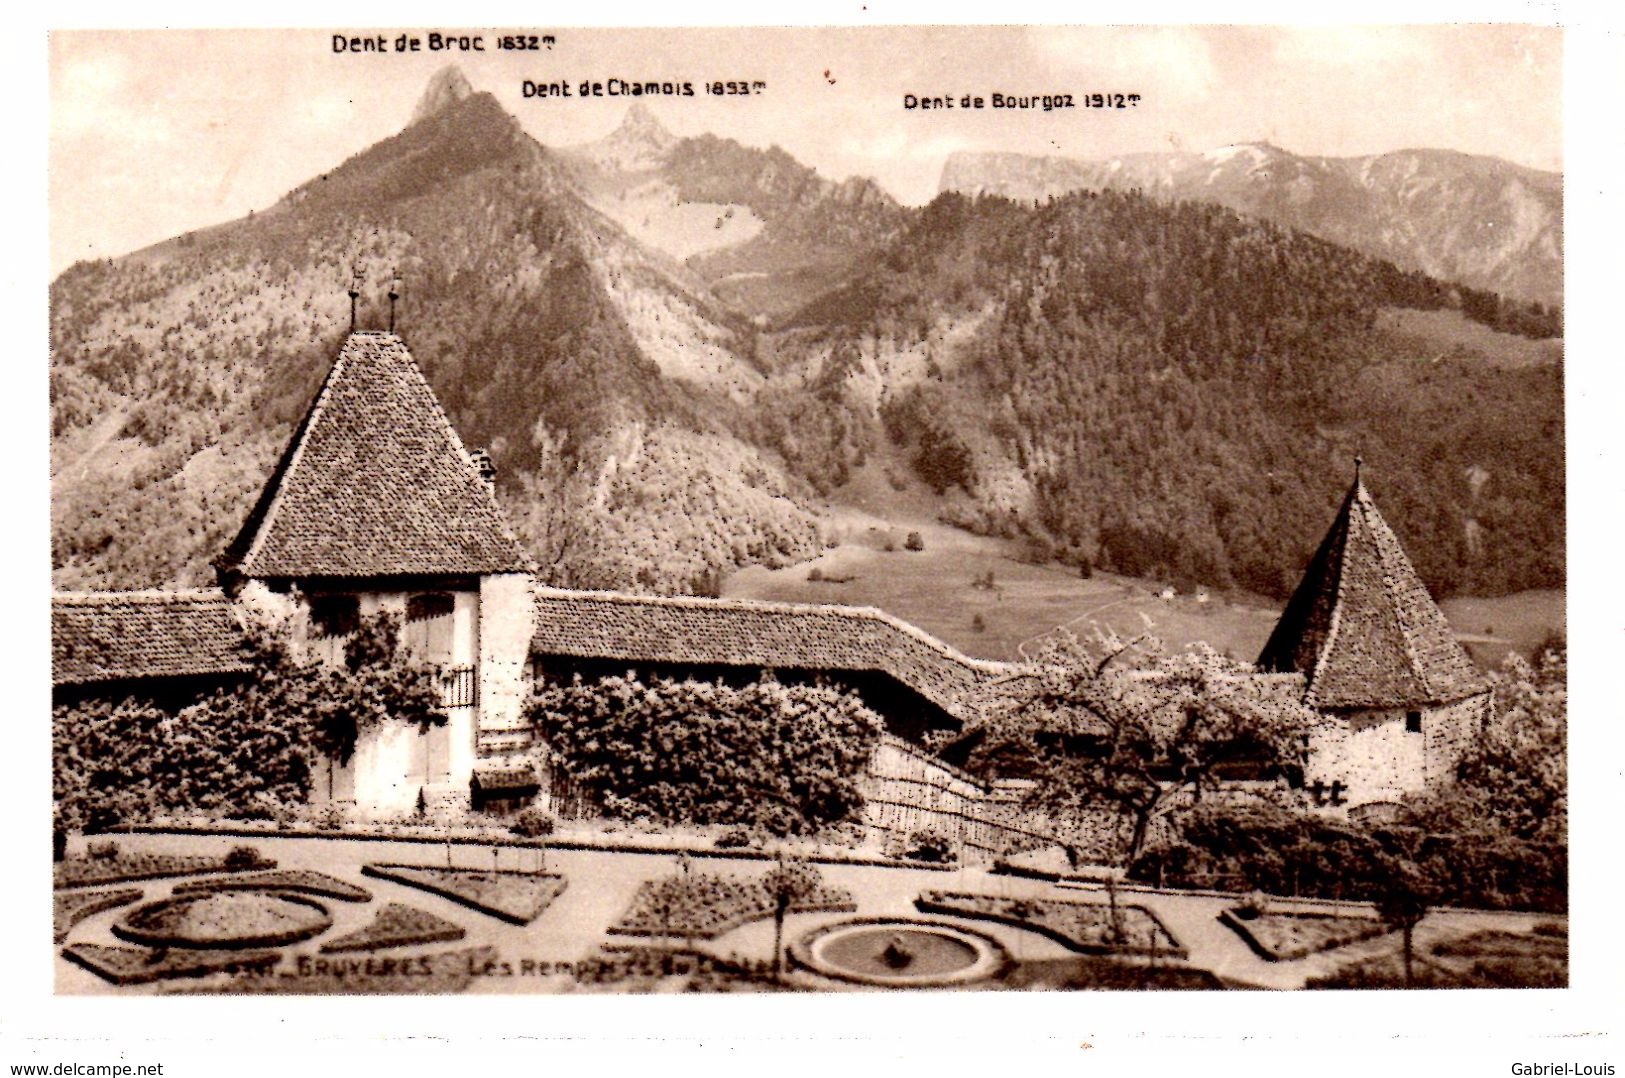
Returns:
<point x="983" y="509"/>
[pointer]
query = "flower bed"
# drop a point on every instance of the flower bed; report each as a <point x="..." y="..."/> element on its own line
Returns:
<point x="289" y="879"/>
<point x="396" y="925"/>
<point x="1499" y="943"/>
<point x="80" y="871"/>
<point x="1085" y="927"/>
<point x="139" y="965"/>
<point x="702" y="906"/>
<point x="71" y="908"/>
<point x="1282" y="937"/>
<point x="1096" y="973"/>
<point x="224" y="919"/>
<point x="516" y="897"/>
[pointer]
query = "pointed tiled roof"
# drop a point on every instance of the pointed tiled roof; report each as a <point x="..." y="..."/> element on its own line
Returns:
<point x="1362" y="628"/>
<point x="374" y="483"/>
<point x="116" y="636"/>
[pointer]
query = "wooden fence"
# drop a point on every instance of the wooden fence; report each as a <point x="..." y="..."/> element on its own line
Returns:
<point x="908" y="790"/>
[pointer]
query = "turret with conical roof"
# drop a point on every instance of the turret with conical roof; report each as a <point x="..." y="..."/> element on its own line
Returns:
<point x="1361" y="626"/>
<point x="1374" y="648"/>
<point x="377" y="507"/>
<point x="374" y="483"/>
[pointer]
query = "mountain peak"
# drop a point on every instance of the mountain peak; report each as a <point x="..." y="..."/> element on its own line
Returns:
<point x="639" y="144"/>
<point x="1254" y="153"/>
<point x="641" y="127"/>
<point x="447" y="87"/>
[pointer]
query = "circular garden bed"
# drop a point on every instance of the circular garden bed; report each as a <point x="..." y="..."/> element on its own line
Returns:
<point x="227" y="919"/>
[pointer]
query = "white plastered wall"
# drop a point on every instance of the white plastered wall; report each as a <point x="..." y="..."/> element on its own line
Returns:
<point x="507" y="624"/>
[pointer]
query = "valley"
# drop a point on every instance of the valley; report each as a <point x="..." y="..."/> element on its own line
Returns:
<point x="941" y="589"/>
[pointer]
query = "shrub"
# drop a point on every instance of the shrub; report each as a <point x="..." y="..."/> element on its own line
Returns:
<point x="737" y="838"/>
<point x="102" y="851"/>
<point x="786" y="758"/>
<point x="1253" y="906"/>
<point x="815" y="574"/>
<point x="978" y="623"/>
<point x="930" y="846"/>
<point x="242" y="858"/>
<point x="331" y="817"/>
<point x="914" y="542"/>
<point x="533" y="822"/>
<point x="240" y="751"/>
<point x="260" y="805"/>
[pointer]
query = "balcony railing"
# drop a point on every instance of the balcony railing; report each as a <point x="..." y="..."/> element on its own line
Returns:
<point x="459" y="687"/>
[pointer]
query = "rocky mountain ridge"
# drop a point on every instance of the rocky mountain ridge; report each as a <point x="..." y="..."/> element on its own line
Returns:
<point x="1479" y="220"/>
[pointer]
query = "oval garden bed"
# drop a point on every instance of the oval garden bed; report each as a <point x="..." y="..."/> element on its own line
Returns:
<point x="226" y="919"/>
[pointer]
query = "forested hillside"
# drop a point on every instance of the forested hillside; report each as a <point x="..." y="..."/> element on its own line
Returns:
<point x="1176" y="391"/>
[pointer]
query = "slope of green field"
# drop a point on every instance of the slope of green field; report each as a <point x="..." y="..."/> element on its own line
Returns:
<point x="938" y="589"/>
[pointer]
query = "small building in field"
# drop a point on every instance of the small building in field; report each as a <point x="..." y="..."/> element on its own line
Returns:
<point x="1401" y="698"/>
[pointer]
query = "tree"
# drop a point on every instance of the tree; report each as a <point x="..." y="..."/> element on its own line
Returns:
<point x="1514" y="780"/>
<point x="788" y="883"/>
<point x="1096" y="734"/>
<point x="559" y="513"/>
<point x="1404" y="901"/>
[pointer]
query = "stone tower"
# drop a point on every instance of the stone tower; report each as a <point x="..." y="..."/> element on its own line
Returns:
<point x="1401" y="698"/>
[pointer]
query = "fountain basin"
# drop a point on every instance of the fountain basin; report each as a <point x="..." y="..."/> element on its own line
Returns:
<point x="891" y="952"/>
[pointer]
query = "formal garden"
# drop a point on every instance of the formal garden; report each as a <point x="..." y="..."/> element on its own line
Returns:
<point x="726" y="851"/>
<point x="361" y="916"/>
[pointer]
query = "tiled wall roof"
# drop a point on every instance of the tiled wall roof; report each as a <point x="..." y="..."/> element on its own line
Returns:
<point x="119" y="635"/>
<point x="775" y="635"/>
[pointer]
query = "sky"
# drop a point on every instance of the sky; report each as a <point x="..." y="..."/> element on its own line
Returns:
<point x="156" y="132"/>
